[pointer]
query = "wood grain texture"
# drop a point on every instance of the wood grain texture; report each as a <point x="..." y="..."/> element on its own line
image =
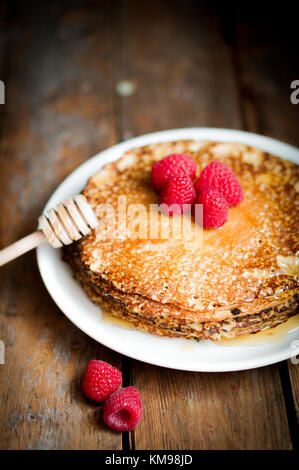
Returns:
<point x="59" y="112"/>
<point x="266" y="56"/>
<point x="294" y="377"/>
<point x="169" y="54"/>
<point x="187" y="410"/>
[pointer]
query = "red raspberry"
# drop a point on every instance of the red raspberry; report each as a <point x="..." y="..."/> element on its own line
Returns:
<point x="123" y="410"/>
<point x="178" y="191"/>
<point x="170" y="166"/>
<point x="100" y="380"/>
<point x="219" y="177"/>
<point x="215" y="209"/>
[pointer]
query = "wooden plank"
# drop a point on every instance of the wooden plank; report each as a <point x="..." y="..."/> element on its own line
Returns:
<point x="187" y="410"/>
<point x="59" y="112"/>
<point x="167" y="52"/>
<point x="4" y="34"/>
<point x="267" y="64"/>
<point x="183" y="74"/>
<point x="294" y="378"/>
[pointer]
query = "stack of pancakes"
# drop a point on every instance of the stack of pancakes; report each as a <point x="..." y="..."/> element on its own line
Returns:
<point x="241" y="278"/>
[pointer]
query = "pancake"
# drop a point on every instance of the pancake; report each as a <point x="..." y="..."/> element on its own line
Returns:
<point x="143" y="306"/>
<point x="240" y="270"/>
<point x="178" y="325"/>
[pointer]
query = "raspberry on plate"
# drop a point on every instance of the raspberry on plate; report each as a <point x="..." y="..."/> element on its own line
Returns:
<point x="178" y="195"/>
<point x="100" y="380"/>
<point x="215" y="209"/>
<point x="219" y="177"/>
<point x="123" y="410"/>
<point x="170" y="166"/>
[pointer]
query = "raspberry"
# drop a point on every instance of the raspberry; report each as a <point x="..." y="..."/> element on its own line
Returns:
<point x="215" y="209"/>
<point x="219" y="177"/>
<point x="170" y="166"/>
<point x="100" y="380"/>
<point x="123" y="410"/>
<point x="177" y="192"/>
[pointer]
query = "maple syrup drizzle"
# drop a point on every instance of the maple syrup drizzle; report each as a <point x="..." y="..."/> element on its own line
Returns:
<point x="270" y="335"/>
<point x="106" y="317"/>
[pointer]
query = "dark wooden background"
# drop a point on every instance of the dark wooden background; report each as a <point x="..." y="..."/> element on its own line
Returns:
<point x="191" y="65"/>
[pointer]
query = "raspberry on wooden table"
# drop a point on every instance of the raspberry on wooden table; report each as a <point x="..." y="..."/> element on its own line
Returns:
<point x="100" y="380"/>
<point x="219" y="177"/>
<point x="170" y="166"/>
<point x="123" y="410"/>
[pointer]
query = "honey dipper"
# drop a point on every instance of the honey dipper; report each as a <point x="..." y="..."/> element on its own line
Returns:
<point x="61" y="226"/>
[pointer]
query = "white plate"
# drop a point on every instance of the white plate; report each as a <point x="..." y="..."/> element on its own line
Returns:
<point x="168" y="352"/>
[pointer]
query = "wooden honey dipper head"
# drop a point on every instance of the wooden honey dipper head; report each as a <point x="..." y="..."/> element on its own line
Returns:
<point x="68" y="222"/>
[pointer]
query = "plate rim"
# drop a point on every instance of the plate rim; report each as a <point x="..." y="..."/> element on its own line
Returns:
<point x="214" y="134"/>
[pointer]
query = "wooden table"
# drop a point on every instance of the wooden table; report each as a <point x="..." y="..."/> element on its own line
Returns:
<point x="190" y="66"/>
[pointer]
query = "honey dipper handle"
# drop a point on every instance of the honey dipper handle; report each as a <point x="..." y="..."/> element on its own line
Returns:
<point x="21" y="246"/>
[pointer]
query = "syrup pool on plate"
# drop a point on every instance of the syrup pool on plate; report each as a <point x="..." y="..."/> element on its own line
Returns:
<point x="270" y="335"/>
<point x="106" y="317"/>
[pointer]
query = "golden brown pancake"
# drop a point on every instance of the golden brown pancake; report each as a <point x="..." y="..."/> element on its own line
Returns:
<point x="174" y="322"/>
<point x="240" y="270"/>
